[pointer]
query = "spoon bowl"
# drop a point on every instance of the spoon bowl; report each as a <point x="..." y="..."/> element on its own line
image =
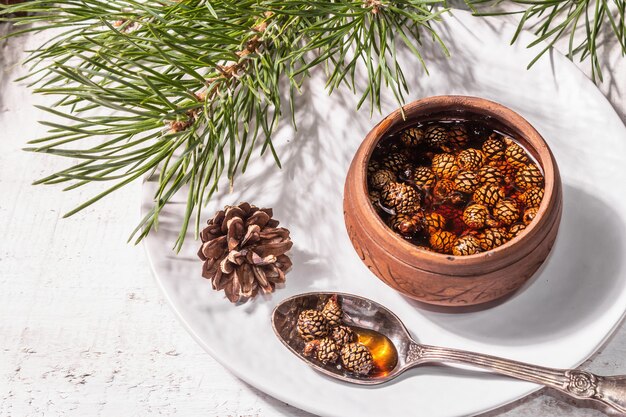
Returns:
<point x="358" y="313"/>
<point x="372" y="321"/>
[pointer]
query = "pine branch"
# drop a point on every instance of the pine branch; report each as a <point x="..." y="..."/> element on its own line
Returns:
<point x="584" y="24"/>
<point x="193" y="87"/>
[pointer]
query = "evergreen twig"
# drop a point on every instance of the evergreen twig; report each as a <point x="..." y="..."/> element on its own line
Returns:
<point x="194" y="86"/>
<point x="584" y="24"/>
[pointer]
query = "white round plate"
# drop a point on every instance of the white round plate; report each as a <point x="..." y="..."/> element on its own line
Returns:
<point x="558" y="319"/>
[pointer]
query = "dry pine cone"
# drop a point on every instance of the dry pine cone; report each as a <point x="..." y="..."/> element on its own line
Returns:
<point x="243" y="250"/>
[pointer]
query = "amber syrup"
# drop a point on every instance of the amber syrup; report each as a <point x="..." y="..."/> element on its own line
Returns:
<point x="384" y="353"/>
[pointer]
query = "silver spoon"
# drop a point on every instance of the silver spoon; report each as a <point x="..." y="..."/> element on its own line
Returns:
<point x="378" y="327"/>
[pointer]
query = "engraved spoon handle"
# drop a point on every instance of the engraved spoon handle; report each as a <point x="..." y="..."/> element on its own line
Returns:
<point x="610" y="390"/>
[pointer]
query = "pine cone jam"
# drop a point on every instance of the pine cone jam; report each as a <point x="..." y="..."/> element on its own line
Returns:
<point x="436" y="257"/>
<point x="470" y="185"/>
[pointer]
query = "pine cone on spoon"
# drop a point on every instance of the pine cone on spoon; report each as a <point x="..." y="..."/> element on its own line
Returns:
<point x="243" y="250"/>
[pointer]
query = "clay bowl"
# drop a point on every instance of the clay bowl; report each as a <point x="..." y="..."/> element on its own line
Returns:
<point x="440" y="279"/>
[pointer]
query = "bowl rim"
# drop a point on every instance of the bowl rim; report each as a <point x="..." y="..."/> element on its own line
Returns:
<point x="530" y="138"/>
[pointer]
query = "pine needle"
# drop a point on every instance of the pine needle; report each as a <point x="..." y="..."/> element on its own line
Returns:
<point x="194" y="87"/>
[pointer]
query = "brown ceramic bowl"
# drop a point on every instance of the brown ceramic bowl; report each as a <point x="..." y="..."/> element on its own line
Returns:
<point x="445" y="279"/>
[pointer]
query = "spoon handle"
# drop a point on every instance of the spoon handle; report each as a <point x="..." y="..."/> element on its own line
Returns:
<point x="610" y="390"/>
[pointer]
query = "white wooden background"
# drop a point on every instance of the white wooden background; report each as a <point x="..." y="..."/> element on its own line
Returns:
<point x="83" y="329"/>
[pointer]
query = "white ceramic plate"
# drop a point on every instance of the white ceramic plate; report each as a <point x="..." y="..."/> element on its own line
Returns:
<point x="558" y="319"/>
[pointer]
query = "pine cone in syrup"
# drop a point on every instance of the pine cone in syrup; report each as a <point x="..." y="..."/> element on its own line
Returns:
<point x="380" y="178"/>
<point x="434" y="221"/>
<point x="442" y="241"/>
<point x="507" y="170"/>
<point x="466" y="182"/>
<point x="529" y="215"/>
<point x="400" y="197"/>
<point x="514" y="197"/>
<point x="516" y="229"/>
<point x="412" y="137"/>
<point x="492" y="238"/>
<point x="444" y="166"/>
<point x="488" y="195"/>
<point x="470" y="159"/>
<point x="396" y="162"/>
<point x="506" y="212"/>
<point x="374" y="196"/>
<point x="466" y="245"/>
<point x="436" y="136"/>
<point x="332" y="311"/>
<point x="312" y="325"/>
<point x="343" y="335"/>
<point x="490" y="175"/>
<point x="405" y="224"/>
<point x="529" y="176"/>
<point x="532" y="197"/>
<point x="454" y="218"/>
<point x="372" y="167"/>
<point x="243" y="250"/>
<point x="475" y="216"/>
<point x="516" y="155"/>
<point x="494" y="147"/>
<point x="457" y="138"/>
<point x="443" y="189"/>
<point x="423" y="177"/>
<point x="357" y="358"/>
